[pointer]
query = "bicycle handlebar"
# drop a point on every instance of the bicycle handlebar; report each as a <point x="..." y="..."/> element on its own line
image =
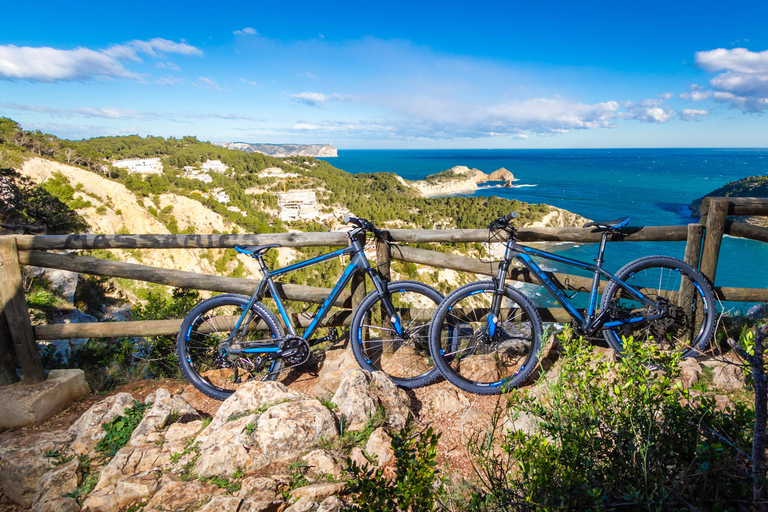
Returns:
<point x="362" y="224"/>
<point x="503" y="221"/>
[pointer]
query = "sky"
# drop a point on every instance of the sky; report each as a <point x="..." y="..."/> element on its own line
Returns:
<point x="396" y="74"/>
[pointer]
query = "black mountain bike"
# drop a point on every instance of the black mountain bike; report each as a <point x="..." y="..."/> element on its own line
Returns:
<point x="486" y="336"/>
<point x="229" y="339"/>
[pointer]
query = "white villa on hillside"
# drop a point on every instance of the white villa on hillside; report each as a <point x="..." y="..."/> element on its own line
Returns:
<point x="196" y="174"/>
<point x="219" y="195"/>
<point x="140" y="165"/>
<point x="214" y="166"/>
<point x="298" y="204"/>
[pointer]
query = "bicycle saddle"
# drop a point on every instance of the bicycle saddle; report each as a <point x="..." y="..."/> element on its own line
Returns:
<point x="255" y="249"/>
<point x="609" y="224"/>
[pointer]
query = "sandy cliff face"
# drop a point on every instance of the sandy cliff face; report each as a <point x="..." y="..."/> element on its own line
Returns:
<point x="123" y="211"/>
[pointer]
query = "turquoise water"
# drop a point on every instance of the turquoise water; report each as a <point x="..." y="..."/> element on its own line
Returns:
<point x="653" y="186"/>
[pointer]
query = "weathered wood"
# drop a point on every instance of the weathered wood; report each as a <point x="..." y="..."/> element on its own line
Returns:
<point x="7" y="353"/>
<point x="693" y="245"/>
<point x="13" y="303"/>
<point x="741" y="294"/>
<point x="737" y="205"/>
<point x="178" y="278"/>
<point x="475" y="266"/>
<point x="580" y="235"/>
<point x="744" y="230"/>
<point x="30" y="242"/>
<point x="383" y="258"/>
<point x="713" y="236"/>
<point x="157" y="327"/>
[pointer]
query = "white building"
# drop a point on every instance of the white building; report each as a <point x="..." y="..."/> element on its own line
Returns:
<point x="297" y="204"/>
<point x="237" y="210"/>
<point x="196" y="174"/>
<point x="219" y="195"/>
<point x="214" y="166"/>
<point x="140" y="165"/>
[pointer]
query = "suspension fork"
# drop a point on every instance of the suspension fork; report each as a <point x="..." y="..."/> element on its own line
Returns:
<point x="499" y="283"/>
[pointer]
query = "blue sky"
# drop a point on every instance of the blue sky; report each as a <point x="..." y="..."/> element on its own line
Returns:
<point x="392" y="75"/>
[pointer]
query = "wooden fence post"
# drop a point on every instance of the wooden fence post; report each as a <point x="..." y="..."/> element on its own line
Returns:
<point x="713" y="237"/>
<point x="13" y="304"/>
<point x="7" y="354"/>
<point x="693" y="245"/>
<point x="383" y="258"/>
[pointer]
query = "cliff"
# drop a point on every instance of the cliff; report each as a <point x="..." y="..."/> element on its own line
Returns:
<point x="752" y="186"/>
<point x="283" y="150"/>
<point x="459" y="180"/>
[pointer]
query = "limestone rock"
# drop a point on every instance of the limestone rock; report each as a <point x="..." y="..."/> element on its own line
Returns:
<point x="360" y="393"/>
<point x="87" y="428"/>
<point x="61" y="480"/>
<point x="164" y="407"/>
<point x="380" y="445"/>
<point x="135" y="488"/>
<point x="480" y="368"/>
<point x="222" y="504"/>
<point x="331" y="504"/>
<point x="690" y="370"/>
<point x="449" y="401"/>
<point x="177" y="495"/>
<point x="287" y="430"/>
<point x="320" y="463"/>
<point x="305" y="504"/>
<point x="230" y="448"/>
<point x="336" y="362"/>
<point x="319" y="492"/>
<point x="58" y="504"/>
<point x="728" y="375"/>
<point x="129" y="461"/>
<point x="357" y="457"/>
<point x="249" y="398"/>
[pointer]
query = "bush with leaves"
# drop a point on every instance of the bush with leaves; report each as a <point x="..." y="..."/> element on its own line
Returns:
<point x="159" y="352"/>
<point x="415" y="486"/>
<point x="616" y="435"/>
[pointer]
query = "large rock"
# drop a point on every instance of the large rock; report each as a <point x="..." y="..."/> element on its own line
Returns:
<point x="175" y="494"/>
<point x="62" y="480"/>
<point x="360" y="394"/>
<point x="165" y="407"/>
<point x="287" y="430"/>
<point x="337" y="361"/>
<point x="26" y="405"/>
<point x="380" y="445"/>
<point x="251" y="397"/>
<point x="23" y="463"/>
<point x="230" y="448"/>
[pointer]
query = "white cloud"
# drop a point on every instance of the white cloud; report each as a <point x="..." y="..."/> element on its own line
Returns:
<point x="169" y="81"/>
<point x="743" y="78"/>
<point x="649" y="111"/>
<point x="689" y="114"/>
<point x="208" y="83"/>
<point x="104" y="113"/>
<point x="44" y="64"/>
<point x="315" y="99"/>
<point x="247" y="31"/>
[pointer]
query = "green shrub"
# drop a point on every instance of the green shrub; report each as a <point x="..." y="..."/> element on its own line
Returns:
<point x="119" y="430"/>
<point x="415" y="487"/>
<point x="159" y="352"/>
<point x="616" y="435"/>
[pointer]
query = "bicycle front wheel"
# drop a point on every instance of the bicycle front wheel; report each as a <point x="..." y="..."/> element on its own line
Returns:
<point x="203" y="335"/>
<point x="481" y="353"/>
<point x="403" y="357"/>
<point x="679" y="291"/>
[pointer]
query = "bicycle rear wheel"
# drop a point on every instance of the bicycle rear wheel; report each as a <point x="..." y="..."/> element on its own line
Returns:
<point x="481" y="354"/>
<point x="678" y="289"/>
<point x="208" y="326"/>
<point x="405" y="358"/>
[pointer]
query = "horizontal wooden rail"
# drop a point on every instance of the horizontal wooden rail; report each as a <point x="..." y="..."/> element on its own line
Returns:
<point x="580" y="235"/>
<point x="744" y="206"/>
<point x="743" y="230"/>
<point x="178" y="278"/>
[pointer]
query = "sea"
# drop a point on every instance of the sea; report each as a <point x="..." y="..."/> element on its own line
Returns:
<point x="653" y="186"/>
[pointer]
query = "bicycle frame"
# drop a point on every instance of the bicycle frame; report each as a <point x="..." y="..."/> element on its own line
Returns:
<point x="358" y="262"/>
<point x="589" y="323"/>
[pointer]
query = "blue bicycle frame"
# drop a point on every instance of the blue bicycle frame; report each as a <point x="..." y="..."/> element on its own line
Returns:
<point x="358" y="262"/>
<point x="589" y="323"/>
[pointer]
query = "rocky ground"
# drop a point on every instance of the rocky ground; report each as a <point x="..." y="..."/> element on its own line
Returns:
<point x="270" y="447"/>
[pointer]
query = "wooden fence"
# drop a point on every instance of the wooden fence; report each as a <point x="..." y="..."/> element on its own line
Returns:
<point x="18" y="336"/>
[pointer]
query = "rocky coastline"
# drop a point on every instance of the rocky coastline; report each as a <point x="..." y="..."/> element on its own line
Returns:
<point x="459" y="180"/>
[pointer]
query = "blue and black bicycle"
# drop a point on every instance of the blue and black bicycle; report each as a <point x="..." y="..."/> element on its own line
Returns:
<point x="486" y="336"/>
<point x="229" y="339"/>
